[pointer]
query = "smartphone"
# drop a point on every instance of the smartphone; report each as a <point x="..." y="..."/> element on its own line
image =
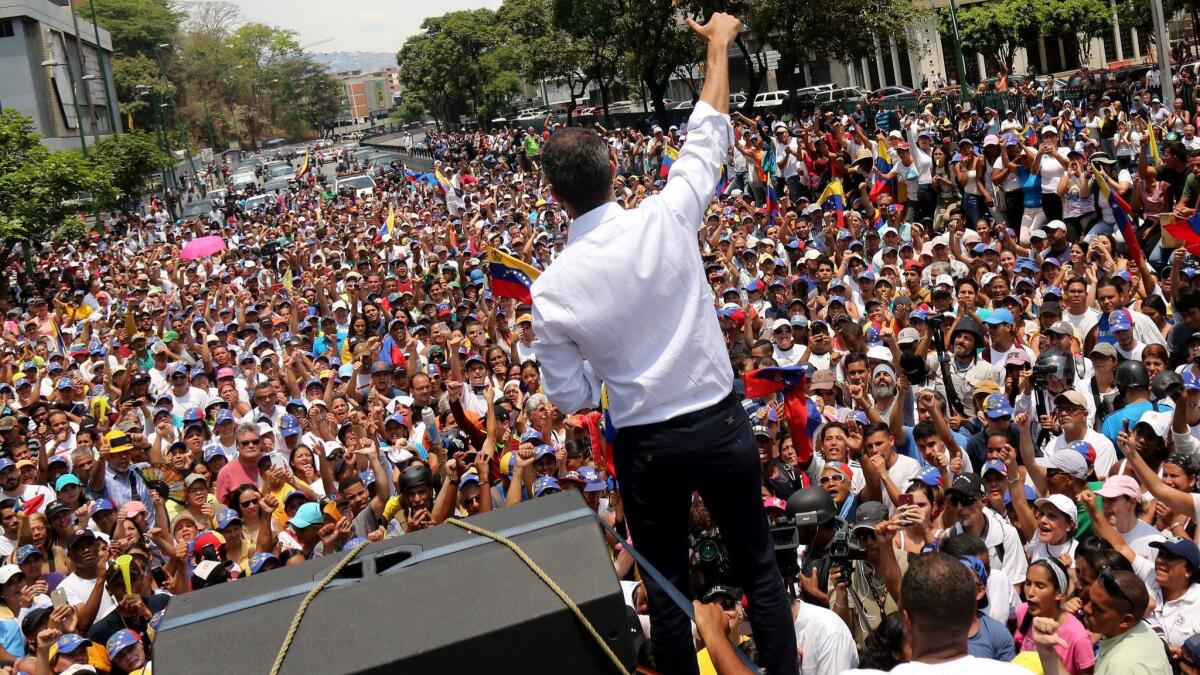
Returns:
<point x="905" y="499"/>
<point x="58" y="597"/>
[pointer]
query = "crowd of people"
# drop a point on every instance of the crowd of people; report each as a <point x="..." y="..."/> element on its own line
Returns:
<point x="1001" y="455"/>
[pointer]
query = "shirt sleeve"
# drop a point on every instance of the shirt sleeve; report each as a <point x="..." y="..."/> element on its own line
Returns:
<point x="693" y="178"/>
<point x="568" y="379"/>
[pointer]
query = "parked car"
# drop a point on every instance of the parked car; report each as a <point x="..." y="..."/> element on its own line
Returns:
<point x="737" y="100"/>
<point x="620" y="106"/>
<point x="837" y="95"/>
<point x="240" y="181"/>
<point x="258" y="201"/>
<point x="771" y="99"/>
<point x="892" y="92"/>
<point x="683" y="105"/>
<point x="195" y="209"/>
<point x="581" y="110"/>
<point x="361" y="184"/>
<point x="272" y="185"/>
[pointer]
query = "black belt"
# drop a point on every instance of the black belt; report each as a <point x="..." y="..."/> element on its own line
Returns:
<point x="692" y="417"/>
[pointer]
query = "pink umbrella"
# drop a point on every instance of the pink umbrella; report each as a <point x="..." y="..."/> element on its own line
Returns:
<point x="202" y="248"/>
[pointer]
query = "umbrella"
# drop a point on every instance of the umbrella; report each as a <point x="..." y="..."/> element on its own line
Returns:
<point x="202" y="247"/>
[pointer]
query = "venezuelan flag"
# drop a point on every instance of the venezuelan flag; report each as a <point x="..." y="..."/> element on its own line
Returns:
<point x="303" y="172"/>
<point x="1187" y="231"/>
<point x="1029" y="134"/>
<point x="511" y="278"/>
<point x="834" y="198"/>
<point x="772" y="205"/>
<point x="1121" y="212"/>
<point x="801" y="413"/>
<point x="442" y="180"/>
<point x="723" y="181"/>
<point x="610" y="430"/>
<point x="668" y="158"/>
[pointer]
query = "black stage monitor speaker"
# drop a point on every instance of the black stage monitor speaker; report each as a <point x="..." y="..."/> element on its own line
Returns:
<point x="441" y="600"/>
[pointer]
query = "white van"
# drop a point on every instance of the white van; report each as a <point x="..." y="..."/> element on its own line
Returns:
<point x="737" y="100"/>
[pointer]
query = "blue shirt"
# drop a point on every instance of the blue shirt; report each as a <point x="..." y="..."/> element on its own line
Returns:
<point x="121" y="490"/>
<point x="1115" y="422"/>
<point x="991" y="641"/>
<point x="11" y="638"/>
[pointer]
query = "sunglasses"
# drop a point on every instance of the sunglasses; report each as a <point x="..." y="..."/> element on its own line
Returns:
<point x="1112" y="587"/>
<point x="831" y="478"/>
<point x="248" y="503"/>
<point x="961" y="501"/>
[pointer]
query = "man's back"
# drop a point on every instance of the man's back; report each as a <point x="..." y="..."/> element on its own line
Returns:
<point x="629" y="294"/>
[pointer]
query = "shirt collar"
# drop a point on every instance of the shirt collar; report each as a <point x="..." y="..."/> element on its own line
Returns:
<point x="589" y="221"/>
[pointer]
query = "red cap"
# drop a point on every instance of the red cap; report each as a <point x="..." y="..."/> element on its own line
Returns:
<point x="902" y="145"/>
<point x="912" y="265"/>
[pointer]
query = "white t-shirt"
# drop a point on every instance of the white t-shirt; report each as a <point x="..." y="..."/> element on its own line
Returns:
<point x="1106" y="454"/>
<point x="1179" y="618"/>
<point x="904" y="471"/>
<point x="1040" y="550"/>
<point x="1051" y="171"/>
<point x="194" y="397"/>
<point x="960" y="666"/>
<point x="787" y="358"/>
<point x="1082" y="323"/>
<point x="79" y="590"/>
<point x="825" y="640"/>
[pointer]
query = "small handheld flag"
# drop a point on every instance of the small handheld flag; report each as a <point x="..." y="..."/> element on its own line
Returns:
<point x="1153" y="143"/>
<point x="1121" y="211"/>
<point x="391" y="221"/>
<point x="834" y="198"/>
<point x="723" y="181"/>
<point x="669" y="156"/>
<point x="511" y="278"/>
<point x="772" y="204"/>
<point x="303" y="172"/>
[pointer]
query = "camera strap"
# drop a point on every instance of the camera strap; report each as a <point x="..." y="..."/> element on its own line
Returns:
<point x="673" y="593"/>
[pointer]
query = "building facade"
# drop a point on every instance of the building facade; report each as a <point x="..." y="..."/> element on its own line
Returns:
<point x="36" y="31"/>
<point x="367" y="95"/>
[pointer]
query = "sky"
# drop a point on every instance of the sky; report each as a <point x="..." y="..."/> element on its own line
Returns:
<point x="353" y="25"/>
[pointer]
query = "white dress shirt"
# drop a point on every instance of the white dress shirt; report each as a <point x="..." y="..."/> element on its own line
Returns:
<point x="627" y="301"/>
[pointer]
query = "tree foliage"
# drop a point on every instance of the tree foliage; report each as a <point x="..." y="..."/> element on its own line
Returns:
<point x="131" y="159"/>
<point x="461" y="63"/>
<point x="1077" y="20"/>
<point x="995" y="29"/>
<point x="244" y="81"/>
<point x="42" y="193"/>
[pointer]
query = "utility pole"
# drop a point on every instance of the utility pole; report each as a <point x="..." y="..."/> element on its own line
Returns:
<point x="87" y="93"/>
<point x="958" y="53"/>
<point x="1162" y="41"/>
<point x="109" y="103"/>
<point x="187" y="147"/>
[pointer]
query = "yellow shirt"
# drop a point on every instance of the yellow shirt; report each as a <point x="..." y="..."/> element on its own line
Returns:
<point x="705" y="661"/>
<point x="280" y="516"/>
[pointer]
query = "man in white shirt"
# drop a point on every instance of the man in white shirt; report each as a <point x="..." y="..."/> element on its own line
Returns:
<point x="786" y="351"/>
<point x="825" y="640"/>
<point x="83" y="551"/>
<point x="659" y="352"/>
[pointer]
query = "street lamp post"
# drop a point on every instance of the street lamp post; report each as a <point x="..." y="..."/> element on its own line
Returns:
<point x="960" y="62"/>
<point x="166" y="172"/>
<point x="108" y="101"/>
<point x="187" y="148"/>
<point x="74" y="99"/>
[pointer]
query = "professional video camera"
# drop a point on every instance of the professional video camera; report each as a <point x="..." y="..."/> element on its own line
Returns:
<point x="812" y="508"/>
<point x="712" y="565"/>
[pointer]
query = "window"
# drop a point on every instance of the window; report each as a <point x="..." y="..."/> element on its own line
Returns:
<point x="6" y="28"/>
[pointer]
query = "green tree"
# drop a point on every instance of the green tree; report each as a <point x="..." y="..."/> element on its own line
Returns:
<point x="138" y="26"/>
<point x="803" y="32"/>
<point x="459" y="62"/>
<point x="995" y="29"/>
<point x="1136" y="14"/>
<point x="544" y="51"/>
<point x="594" y="28"/>
<point x="131" y="159"/>
<point x="42" y="193"/>
<point x="1077" y="21"/>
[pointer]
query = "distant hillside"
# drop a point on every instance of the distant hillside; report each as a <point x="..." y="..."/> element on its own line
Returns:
<point x="336" y="61"/>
